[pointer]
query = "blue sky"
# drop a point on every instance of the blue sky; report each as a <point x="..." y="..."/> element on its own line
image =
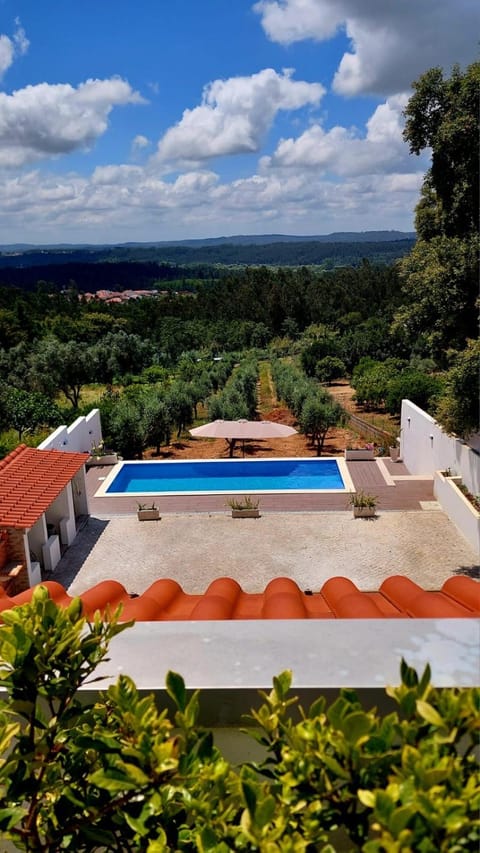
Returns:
<point x="146" y="121"/>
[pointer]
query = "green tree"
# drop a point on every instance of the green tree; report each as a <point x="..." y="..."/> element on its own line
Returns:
<point x="458" y="409"/>
<point x="413" y="385"/>
<point x="371" y="385"/>
<point x="26" y="410"/>
<point x="318" y="415"/>
<point x="126" y="428"/>
<point x="443" y="115"/>
<point x="119" y="353"/>
<point x="179" y="403"/>
<point x="440" y="279"/>
<point x="157" y="420"/>
<point x="330" y="368"/>
<point x="64" y="366"/>
<point x="320" y="341"/>
<point x="440" y="276"/>
<point x="11" y="332"/>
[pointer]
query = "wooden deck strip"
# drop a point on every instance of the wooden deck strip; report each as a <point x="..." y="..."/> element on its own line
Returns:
<point x="366" y="475"/>
<point x="405" y="495"/>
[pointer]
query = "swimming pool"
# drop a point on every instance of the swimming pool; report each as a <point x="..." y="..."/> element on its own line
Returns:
<point x="232" y="476"/>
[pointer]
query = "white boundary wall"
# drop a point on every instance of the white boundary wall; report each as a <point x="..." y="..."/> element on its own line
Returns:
<point x="77" y="438"/>
<point x="458" y="508"/>
<point x="426" y="448"/>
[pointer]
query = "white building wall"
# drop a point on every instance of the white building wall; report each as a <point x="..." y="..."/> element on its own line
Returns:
<point x="426" y="448"/>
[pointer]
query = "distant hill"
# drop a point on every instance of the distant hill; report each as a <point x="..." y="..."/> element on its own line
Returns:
<point x="234" y="240"/>
<point x="267" y="239"/>
<point x="134" y="268"/>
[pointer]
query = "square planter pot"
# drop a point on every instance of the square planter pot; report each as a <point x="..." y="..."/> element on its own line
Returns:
<point x="245" y="513"/>
<point x="106" y="459"/>
<point x="148" y="514"/>
<point x="394" y="454"/>
<point x="364" y="511"/>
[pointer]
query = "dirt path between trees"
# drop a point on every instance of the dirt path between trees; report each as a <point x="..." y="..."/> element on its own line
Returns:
<point x="297" y="445"/>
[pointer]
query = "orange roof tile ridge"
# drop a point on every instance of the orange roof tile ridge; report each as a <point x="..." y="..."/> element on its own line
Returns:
<point x="463" y="590"/>
<point x="12" y="455"/>
<point x="282" y="598"/>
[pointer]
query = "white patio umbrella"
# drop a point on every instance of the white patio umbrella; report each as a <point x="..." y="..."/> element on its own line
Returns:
<point x="243" y="430"/>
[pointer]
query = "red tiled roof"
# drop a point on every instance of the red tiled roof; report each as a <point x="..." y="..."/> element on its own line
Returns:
<point x="31" y="479"/>
<point x="339" y="598"/>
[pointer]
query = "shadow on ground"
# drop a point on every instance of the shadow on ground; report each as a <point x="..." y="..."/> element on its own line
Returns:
<point x="74" y="557"/>
<point x="469" y="571"/>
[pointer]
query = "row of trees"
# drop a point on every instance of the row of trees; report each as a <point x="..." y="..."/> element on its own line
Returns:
<point x="314" y="408"/>
<point x="238" y="399"/>
<point x="144" y="416"/>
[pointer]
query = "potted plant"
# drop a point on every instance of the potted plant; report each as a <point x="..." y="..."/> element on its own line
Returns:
<point x="394" y="446"/>
<point x="364" y="505"/>
<point x="99" y="455"/>
<point x="148" y="512"/>
<point x="246" y="507"/>
<point x="360" y="454"/>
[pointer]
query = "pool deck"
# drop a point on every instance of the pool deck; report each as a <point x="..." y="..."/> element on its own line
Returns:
<point x="390" y="481"/>
<point x="309" y="538"/>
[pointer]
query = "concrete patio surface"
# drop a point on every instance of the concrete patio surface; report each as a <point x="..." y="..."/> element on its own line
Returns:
<point x="310" y="547"/>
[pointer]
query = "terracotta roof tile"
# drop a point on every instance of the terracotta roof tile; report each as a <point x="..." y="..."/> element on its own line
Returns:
<point x="31" y="479"/>
<point x="340" y="598"/>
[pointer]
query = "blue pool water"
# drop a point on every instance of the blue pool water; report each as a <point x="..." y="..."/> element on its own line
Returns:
<point x="236" y="475"/>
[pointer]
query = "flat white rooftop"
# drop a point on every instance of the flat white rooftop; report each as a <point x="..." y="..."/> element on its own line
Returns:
<point x="231" y="661"/>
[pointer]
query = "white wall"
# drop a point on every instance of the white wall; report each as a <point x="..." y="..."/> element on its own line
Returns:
<point x="426" y="448"/>
<point x="79" y="437"/>
<point x="458" y="508"/>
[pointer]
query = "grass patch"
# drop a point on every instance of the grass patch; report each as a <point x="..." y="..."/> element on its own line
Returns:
<point x="267" y="398"/>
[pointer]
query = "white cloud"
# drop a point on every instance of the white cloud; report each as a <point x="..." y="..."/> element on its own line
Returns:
<point x="288" y="21"/>
<point x="12" y="47"/>
<point x="126" y="202"/>
<point x="6" y="53"/>
<point x="343" y="152"/>
<point x="20" y="39"/>
<point x="49" y="120"/>
<point x="386" y="125"/>
<point x="235" y="115"/>
<point x="392" y="43"/>
<point x="321" y="181"/>
<point x="112" y="175"/>
<point x="141" y="141"/>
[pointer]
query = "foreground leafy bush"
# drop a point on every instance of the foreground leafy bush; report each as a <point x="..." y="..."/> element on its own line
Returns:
<point x="120" y="775"/>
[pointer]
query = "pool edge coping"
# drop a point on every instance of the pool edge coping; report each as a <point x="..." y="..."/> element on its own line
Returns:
<point x="102" y="492"/>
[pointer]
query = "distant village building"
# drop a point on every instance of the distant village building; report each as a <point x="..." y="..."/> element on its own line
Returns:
<point x="114" y="296"/>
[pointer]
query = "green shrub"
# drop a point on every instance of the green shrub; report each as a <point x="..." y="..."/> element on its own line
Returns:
<point x="412" y="385"/>
<point x="122" y="775"/>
